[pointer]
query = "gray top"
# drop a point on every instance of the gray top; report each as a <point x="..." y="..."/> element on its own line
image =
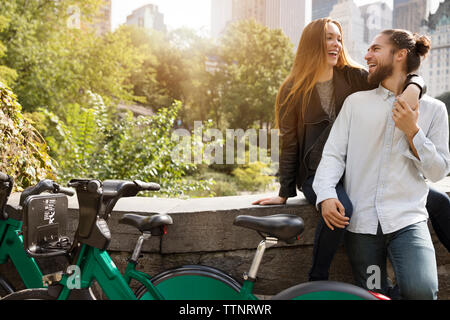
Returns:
<point x="326" y="94"/>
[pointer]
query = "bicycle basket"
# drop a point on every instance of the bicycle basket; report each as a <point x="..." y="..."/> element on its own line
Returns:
<point x="45" y="224"/>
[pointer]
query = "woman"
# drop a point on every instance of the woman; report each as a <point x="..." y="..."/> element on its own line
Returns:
<point x="322" y="77"/>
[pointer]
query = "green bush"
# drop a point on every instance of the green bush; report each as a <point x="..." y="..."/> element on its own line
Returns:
<point x="23" y="151"/>
<point x="94" y="143"/>
<point x="253" y="176"/>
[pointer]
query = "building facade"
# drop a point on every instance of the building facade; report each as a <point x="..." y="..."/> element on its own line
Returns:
<point x="249" y="9"/>
<point x="147" y="17"/>
<point x="322" y="8"/>
<point x="435" y="69"/>
<point x="221" y="15"/>
<point x="99" y="21"/>
<point x="291" y="16"/>
<point x="377" y="17"/>
<point x="410" y="14"/>
<point x="352" y="22"/>
<point x="102" y="21"/>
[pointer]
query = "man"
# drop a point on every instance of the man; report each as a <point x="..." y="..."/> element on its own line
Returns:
<point x="386" y="149"/>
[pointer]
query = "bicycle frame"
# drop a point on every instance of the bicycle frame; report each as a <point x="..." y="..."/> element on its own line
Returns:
<point x="97" y="264"/>
<point x="11" y="246"/>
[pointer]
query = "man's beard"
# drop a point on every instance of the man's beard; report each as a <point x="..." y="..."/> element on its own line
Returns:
<point x="381" y="73"/>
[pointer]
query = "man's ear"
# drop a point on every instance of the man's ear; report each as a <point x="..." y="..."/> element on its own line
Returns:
<point x="401" y="55"/>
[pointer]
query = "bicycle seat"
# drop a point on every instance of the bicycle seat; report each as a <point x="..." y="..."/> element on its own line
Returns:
<point x="146" y="223"/>
<point x="285" y="227"/>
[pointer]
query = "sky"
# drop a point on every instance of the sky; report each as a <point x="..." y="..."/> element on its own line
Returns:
<point x="195" y="14"/>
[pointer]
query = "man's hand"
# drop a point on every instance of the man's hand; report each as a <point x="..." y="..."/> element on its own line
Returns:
<point x="405" y="118"/>
<point x="273" y="200"/>
<point x="333" y="213"/>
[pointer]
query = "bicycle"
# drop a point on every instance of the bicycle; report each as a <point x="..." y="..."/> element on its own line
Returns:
<point x="89" y="254"/>
<point x="47" y="210"/>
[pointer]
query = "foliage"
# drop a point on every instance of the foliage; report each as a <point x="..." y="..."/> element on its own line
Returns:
<point x="159" y="77"/>
<point x="57" y="65"/>
<point x="253" y="176"/>
<point x="7" y="75"/>
<point x="256" y="60"/>
<point x="233" y="82"/>
<point x="23" y="151"/>
<point x="69" y="80"/>
<point x="91" y="143"/>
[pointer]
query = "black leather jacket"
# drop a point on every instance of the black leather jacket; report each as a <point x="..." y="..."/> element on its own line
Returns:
<point x="299" y="135"/>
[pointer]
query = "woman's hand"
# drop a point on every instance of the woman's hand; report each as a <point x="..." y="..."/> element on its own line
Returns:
<point x="273" y="200"/>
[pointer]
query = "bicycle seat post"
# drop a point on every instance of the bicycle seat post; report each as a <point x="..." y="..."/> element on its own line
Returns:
<point x="137" y="249"/>
<point x="263" y="245"/>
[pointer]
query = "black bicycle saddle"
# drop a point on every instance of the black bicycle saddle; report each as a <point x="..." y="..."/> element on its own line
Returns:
<point x="285" y="227"/>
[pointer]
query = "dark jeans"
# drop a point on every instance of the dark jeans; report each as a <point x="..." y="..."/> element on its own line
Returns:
<point x="438" y="207"/>
<point x="327" y="241"/>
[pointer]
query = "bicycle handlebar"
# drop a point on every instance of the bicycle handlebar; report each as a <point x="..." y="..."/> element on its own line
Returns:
<point x="43" y="186"/>
<point x="147" y="186"/>
<point x="66" y="191"/>
<point x="3" y="177"/>
<point x="6" y="186"/>
<point x="108" y="192"/>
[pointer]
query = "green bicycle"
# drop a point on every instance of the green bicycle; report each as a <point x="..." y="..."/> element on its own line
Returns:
<point x="13" y="235"/>
<point x="91" y="260"/>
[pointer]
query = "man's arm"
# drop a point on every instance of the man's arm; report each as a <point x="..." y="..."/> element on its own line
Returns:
<point x="430" y="151"/>
<point x="331" y="169"/>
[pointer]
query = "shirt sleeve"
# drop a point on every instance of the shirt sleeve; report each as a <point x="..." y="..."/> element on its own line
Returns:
<point x="332" y="165"/>
<point x="432" y="148"/>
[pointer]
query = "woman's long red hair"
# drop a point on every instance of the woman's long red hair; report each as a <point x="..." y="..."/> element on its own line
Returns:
<point x="310" y="62"/>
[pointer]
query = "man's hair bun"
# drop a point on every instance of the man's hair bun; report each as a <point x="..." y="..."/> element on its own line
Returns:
<point x="423" y="44"/>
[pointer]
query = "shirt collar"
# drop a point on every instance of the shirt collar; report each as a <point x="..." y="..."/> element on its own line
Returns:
<point x="385" y="93"/>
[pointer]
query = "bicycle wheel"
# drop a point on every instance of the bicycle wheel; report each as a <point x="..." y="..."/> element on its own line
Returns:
<point x="44" y="294"/>
<point x="327" y="290"/>
<point x="5" y="287"/>
<point x="30" y="294"/>
<point x="194" y="282"/>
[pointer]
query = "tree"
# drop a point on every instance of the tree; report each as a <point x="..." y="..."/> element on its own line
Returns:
<point x="57" y="65"/>
<point x="91" y="142"/>
<point x="256" y="60"/>
<point x="23" y="151"/>
<point x="7" y="75"/>
<point x="163" y="72"/>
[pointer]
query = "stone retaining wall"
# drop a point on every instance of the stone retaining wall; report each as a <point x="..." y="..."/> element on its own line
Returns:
<point x="203" y="233"/>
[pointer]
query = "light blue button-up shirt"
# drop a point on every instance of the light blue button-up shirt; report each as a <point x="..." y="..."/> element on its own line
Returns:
<point x="382" y="177"/>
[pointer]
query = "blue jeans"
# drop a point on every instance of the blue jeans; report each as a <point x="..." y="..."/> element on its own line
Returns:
<point x="411" y="253"/>
<point x="326" y="241"/>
